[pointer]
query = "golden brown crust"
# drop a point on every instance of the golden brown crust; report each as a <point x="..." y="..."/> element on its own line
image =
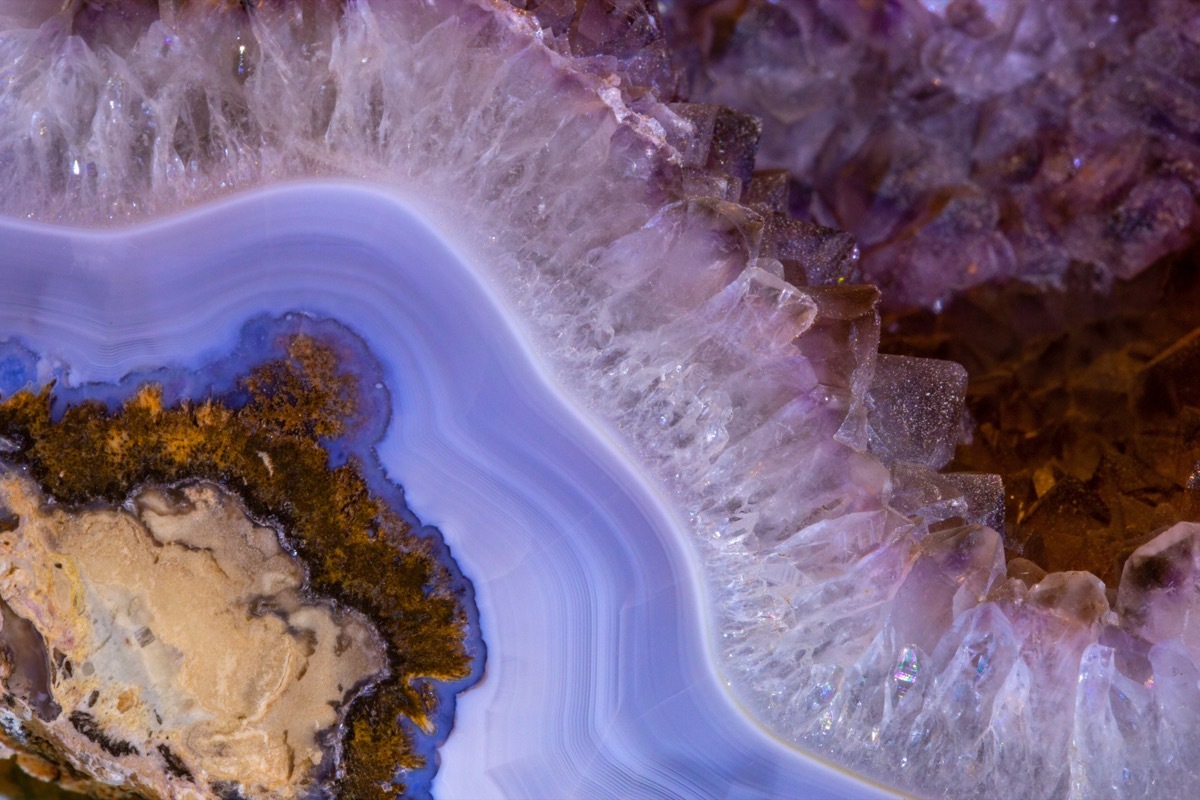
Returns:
<point x="359" y="551"/>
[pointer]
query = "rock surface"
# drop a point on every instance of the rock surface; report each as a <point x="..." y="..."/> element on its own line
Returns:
<point x="167" y="649"/>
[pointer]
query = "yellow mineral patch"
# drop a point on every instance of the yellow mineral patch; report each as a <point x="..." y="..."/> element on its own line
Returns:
<point x="180" y="651"/>
<point x="269" y="450"/>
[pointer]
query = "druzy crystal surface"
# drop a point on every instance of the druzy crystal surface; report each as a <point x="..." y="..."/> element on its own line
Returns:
<point x="736" y="495"/>
<point x="968" y="141"/>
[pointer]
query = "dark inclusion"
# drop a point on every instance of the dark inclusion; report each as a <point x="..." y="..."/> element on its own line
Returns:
<point x="319" y="482"/>
<point x="1086" y="400"/>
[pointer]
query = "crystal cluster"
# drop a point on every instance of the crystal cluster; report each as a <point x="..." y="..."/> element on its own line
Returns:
<point x="862" y="604"/>
<point x="582" y="575"/>
<point x="1086" y="405"/>
<point x="968" y="141"/>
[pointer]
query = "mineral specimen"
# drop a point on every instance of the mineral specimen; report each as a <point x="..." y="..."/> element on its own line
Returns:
<point x="968" y="141"/>
<point x="167" y="650"/>
<point x="171" y="647"/>
<point x="859" y="603"/>
<point x="1085" y="405"/>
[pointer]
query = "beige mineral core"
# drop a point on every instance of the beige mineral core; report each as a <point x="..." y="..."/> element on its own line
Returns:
<point x="167" y="646"/>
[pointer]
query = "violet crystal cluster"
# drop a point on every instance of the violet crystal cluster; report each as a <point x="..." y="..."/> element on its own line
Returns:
<point x="713" y="320"/>
<point x="966" y="142"/>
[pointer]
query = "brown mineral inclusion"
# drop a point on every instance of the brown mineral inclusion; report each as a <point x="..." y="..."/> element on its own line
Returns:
<point x="1086" y="400"/>
<point x="160" y="637"/>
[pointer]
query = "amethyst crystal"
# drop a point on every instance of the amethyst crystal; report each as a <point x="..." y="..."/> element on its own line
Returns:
<point x="968" y="141"/>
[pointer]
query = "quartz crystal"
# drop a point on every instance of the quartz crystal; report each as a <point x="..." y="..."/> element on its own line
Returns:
<point x="968" y="141"/>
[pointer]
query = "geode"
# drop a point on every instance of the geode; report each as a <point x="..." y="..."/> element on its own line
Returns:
<point x="860" y="601"/>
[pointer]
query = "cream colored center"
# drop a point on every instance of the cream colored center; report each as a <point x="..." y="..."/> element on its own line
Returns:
<point x="179" y="624"/>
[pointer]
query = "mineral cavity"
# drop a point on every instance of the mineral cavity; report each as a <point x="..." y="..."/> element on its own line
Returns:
<point x="181" y="653"/>
<point x="964" y="142"/>
<point x="891" y="641"/>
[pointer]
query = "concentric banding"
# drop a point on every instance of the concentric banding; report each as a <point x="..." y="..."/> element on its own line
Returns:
<point x="582" y="578"/>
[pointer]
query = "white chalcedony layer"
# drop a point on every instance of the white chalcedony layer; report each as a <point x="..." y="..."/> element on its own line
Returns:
<point x="600" y="677"/>
<point x="845" y="609"/>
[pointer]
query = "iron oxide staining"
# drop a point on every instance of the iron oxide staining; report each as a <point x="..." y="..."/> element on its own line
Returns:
<point x="347" y="630"/>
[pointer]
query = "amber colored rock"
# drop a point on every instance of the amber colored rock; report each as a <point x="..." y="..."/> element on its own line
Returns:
<point x="1086" y="400"/>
